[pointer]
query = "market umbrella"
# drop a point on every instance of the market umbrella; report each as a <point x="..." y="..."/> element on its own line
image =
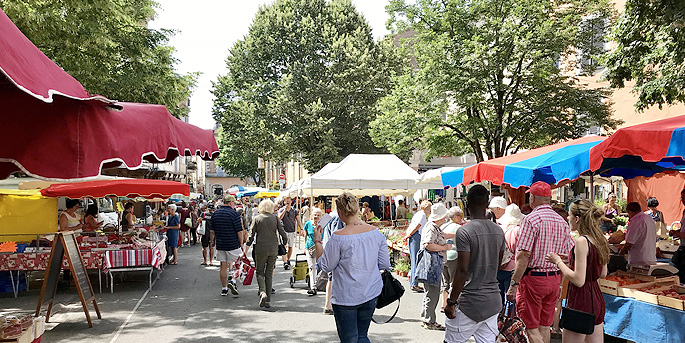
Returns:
<point x="131" y="188"/>
<point x="235" y="190"/>
<point x="54" y="129"/>
<point x="641" y="150"/>
<point x="552" y="164"/>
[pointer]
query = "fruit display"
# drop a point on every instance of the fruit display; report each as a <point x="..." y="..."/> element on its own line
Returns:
<point x="624" y="280"/>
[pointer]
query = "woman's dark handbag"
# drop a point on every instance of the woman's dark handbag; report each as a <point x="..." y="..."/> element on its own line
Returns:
<point x="282" y="250"/>
<point x="575" y="320"/>
<point x="392" y="290"/>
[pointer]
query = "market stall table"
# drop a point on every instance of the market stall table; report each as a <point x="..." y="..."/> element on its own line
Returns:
<point x="38" y="261"/>
<point x="639" y="321"/>
<point x="129" y="260"/>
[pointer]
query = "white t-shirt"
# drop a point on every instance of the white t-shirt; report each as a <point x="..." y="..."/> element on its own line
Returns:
<point x="641" y="233"/>
<point x="418" y="218"/>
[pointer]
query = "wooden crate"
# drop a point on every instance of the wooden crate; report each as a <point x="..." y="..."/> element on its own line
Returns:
<point x="630" y="290"/>
<point x="612" y="287"/>
<point x="673" y="302"/>
<point x="640" y="294"/>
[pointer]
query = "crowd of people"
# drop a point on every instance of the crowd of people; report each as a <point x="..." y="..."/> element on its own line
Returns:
<point x="503" y="256"/>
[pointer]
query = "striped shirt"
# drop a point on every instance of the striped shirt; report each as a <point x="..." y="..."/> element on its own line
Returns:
<point x="541" y="232"/>
<point x="226" y="225"/>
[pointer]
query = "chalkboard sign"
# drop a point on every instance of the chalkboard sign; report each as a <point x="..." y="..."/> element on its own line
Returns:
<point x="65" y="244"/>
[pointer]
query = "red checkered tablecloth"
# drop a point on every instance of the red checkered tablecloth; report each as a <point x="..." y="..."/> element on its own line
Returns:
<point x="39" y="261"/>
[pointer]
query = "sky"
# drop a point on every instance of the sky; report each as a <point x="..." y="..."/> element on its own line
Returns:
<point x="207" y="29"/>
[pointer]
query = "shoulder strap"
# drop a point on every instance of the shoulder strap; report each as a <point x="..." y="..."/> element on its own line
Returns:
<point x="392" y="317"/>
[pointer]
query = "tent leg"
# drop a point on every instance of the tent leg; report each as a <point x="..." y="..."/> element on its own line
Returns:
<point x="592" y="188"/>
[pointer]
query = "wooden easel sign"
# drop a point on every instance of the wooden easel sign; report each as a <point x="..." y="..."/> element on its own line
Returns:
<point x="65" y="244"/>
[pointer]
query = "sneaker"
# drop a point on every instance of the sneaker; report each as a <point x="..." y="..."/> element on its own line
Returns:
<point x="286" y="265"/>
<point x="273" y="291"/>
<point x="262" y="299"/>
<point x="224" y="292"/>
<point x="267" y="305"/>
<point x="327" y="311"/>
<point x="432" y="326"/>
<point x="311" y="292"/>
<point x="233" y="289"/>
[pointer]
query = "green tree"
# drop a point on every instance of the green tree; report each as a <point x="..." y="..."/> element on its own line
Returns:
<point x="650" y="37"/>
<point x="106" y="46"/>
<point x="303" y="84"/>
<point x="487" y="77"/>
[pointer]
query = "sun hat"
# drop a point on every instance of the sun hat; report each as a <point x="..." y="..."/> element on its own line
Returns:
<point x="438" y="211"/>
<point x="498" y="202"/>
<point x="512" y="216"/>
<point x="541" y="189"/>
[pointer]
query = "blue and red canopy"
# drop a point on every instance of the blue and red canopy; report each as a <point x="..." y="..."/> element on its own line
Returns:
<point x="552" y="164"/>
<point x="641" y="150"/>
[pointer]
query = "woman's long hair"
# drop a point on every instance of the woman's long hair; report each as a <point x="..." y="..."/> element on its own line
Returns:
<point x="589" y="225"/>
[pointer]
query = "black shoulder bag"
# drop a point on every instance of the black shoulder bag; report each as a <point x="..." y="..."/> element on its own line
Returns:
<point x="392" y="290"/>
<point x="575" y="320"/>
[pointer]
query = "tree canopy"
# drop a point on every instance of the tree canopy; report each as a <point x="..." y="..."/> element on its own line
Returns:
<point x="489" y="77"/>
<point x="302" y="84"/>
<point x="650" y="37"/>
<point x="106" y="46"/>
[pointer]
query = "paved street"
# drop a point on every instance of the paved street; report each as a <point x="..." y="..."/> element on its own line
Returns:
<point x="185" y="306"/>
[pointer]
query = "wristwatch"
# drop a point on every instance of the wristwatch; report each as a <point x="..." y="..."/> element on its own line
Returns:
<point x="513" y="283"/>
<point x="451" y="302"/>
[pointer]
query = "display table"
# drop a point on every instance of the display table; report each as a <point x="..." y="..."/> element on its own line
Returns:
<point x="640" y="322"/>
<point x="38" y="261"/>
<point x="130" y="260"/>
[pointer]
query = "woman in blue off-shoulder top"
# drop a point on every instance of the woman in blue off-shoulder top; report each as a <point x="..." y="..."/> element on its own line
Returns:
<point x="355" y="255"/>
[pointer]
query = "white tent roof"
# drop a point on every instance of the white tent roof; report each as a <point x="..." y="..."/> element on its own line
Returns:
<point x="432" y="179"/>
<point x="364" y="174"/>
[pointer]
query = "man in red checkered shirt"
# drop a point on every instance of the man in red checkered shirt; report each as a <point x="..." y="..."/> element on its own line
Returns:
<point x="535" y="282"/>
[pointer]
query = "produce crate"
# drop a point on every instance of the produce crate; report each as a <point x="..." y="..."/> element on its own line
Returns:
<point x="629" y="290"/>
<point x="641" y="294"/>
<point x="668" y="301"/>
<point x="612" y="287"/>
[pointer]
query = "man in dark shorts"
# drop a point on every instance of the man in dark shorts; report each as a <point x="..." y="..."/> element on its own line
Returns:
<point x="208" y="238"/>
<point x="291" y="222"/>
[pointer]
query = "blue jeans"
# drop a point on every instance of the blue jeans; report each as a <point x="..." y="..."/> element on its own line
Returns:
<point x="414" y="246"/>
<point x="504" y="279"/>
<point x="353" y="322"/>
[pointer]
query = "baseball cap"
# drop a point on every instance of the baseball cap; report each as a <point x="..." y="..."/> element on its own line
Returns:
<point x="228" y="198"/>
<point x="541" y="189"/>
<point x="498" y="202"/>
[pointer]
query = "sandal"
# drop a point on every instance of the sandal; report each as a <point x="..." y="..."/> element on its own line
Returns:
<point x="432" y="326"/>
<point x="203" y="264"/>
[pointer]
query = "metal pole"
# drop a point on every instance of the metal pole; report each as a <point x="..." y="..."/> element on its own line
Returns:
<point x="592" y="187"/>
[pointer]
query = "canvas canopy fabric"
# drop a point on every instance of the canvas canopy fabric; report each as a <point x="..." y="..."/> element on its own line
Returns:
<point x="131" y="188"/>
<point x="432" y="179"/>
<point x="364" y="174"/>
<point x="31" y="71"/>
<point x="552" y="164"/>
<point x="641" y="150"/>
<point x="74" y="136"/>
<point x="25" y="214"/>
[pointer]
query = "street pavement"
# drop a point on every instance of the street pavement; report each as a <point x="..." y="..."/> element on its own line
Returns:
<point x="185" y="305"/>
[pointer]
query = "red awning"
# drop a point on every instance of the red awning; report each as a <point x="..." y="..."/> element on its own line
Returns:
<point x="30" y="70"/>
<point x="121" y="187"/>
<point x="66" y="138"/>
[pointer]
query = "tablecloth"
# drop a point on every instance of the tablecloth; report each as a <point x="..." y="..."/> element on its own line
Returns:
<point x="136" y="257"/>
<point x="643" y="322"/>
<point x="39" y="261"/>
